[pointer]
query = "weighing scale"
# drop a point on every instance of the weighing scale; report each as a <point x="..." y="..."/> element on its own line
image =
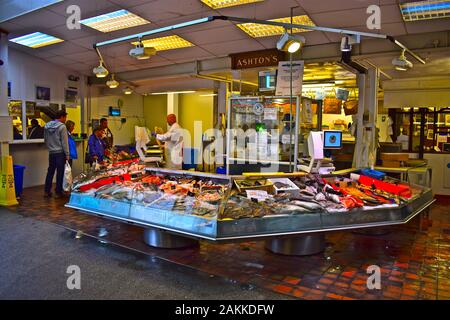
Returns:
<point x="318" y="141"/>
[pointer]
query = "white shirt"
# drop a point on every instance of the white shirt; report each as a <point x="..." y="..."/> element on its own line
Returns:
<point x="174" y="143"/>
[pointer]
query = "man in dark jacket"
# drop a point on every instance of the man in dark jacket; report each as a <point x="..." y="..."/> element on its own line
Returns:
<point x="36" y="131"/>
<point x="55" y="137"/>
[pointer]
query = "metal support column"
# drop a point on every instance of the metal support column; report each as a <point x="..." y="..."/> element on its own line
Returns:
<point x="366" y="138"/>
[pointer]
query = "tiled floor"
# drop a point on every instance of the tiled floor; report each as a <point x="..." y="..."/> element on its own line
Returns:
<point x="414" y="259"/>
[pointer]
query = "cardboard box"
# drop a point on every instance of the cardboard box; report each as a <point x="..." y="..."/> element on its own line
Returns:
<point x="394" y="156"/>
<point x="392" y="164"/>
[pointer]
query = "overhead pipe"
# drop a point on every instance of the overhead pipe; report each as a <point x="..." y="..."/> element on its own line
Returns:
<point x="264" y="22"/>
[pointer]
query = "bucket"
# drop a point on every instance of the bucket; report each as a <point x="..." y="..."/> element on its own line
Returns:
<point x="18" y="178"/>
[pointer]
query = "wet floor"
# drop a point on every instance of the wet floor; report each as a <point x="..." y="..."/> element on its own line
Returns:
<point x="413" y="258"/>
<point x="35" y="256"/>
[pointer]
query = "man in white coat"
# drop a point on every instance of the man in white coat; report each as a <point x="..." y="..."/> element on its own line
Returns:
<point x="173" y="140"/>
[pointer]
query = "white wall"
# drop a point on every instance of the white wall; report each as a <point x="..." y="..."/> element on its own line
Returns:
<point x="25" y="72"/>
<point x="440" y="164"/>
<point x="132" y="110"/>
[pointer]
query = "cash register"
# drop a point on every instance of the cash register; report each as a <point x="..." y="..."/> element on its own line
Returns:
<point x="320" y="143"/>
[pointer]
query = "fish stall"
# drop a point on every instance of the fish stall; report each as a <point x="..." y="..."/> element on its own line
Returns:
<point x="292" y="212"/>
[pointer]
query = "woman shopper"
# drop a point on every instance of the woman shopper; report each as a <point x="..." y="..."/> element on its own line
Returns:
<point x="70" y="125"/>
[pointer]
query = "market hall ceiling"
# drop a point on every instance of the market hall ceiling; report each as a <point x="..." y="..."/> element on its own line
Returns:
<point x="210" y="40"/>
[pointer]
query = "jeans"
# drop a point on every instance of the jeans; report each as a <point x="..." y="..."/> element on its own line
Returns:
<point x="56" y="162"/>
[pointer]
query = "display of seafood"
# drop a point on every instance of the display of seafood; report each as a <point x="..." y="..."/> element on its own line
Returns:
<point x="213" y="197"/>
<point x="131" y="183"/>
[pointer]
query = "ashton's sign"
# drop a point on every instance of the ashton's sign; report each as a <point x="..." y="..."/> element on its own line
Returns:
<point x="255" y="59"/>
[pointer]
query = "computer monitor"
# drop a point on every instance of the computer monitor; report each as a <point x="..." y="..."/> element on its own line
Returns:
<point x="332" y="139"/>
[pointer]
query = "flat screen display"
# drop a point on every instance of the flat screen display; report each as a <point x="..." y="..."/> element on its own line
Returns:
<point x="267" y="80"/>
<point x="332" y="139"/>
<point x="114" y="112"/>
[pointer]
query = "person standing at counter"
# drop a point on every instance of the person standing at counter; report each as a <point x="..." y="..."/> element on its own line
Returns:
<point x="70" y="125"/>
<point x="96" y="146"/>
<point x="173" y="140"/>
<point x="56" y="139"/>
<point x="107" y="134"/>
<point x="36" y="131"/>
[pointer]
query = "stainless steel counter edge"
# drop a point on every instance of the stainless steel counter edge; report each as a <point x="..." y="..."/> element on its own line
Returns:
<point x="256" y="236"/>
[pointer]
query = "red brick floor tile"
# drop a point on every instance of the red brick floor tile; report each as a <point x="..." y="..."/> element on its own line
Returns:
<point x="358" y="288"/>
<point x="359" y="282"/>
<point x="409" y="292"/>
<point x="391" y="295"/>
<point x="298" y="293"/>
<point x="394" y="289"/>
<point x="326" y="281"/>
<point x="334" y="296"/>
<point x="341" y="285"/>
<point x="291" y="280"/>
<point x="412" y="276"/>
<point x="282" y="289"/>
<point x="348" y="274"/>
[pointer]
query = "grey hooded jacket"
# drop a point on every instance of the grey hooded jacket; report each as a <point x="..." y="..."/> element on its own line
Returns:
<point x="55" y="137"/>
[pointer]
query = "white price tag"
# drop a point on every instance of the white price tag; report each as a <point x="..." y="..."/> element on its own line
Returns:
<point x="259" y="195"/>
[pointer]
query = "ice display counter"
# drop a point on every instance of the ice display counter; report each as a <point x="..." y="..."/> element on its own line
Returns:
<point x="229" y="208"/>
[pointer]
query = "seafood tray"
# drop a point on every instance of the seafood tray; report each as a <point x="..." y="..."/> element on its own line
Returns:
<point x="253" y="184"/>
<point x="281" y="185"/>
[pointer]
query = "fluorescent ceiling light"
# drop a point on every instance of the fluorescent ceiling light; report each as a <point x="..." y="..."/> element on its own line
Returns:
<point x="36" y="40"/>
<point x="173" y="92"/>
<point x="261" y="30"/>
<point x="217" y="4"/>
<point x="165" y="43"/>
<point x="425" y="10"/>
<point x="113" y="21"/>
<point x="209" y="95"/>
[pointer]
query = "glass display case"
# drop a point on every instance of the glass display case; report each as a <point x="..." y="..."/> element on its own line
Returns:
<point x="218" y="207"/>
<point x="262" y="132"/>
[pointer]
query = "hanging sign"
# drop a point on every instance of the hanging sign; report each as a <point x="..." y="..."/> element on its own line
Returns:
<point x="284" y="78"/>
<point x="256" y="59"/>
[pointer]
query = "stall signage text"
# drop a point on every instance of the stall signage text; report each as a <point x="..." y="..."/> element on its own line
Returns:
<point x="255" y="59"/>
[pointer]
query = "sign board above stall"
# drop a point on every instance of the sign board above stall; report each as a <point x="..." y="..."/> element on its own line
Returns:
<point x="256" y="59"/>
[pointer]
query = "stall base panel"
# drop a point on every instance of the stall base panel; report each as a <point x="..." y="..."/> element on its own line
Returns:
<point x="110" y="207"/>
<point x="166" y="219"/>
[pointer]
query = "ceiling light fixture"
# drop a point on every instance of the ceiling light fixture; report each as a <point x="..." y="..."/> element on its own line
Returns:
<point x="128" y="91"/>
<point x="142" y="53"/>
<point x="172" y="92"/>
<point x="345" y="45"/>
<point x="112" y="83"/>
<point x="36" y="40"/>
<point x="257" y="30"/>
<point x="290" y="43"/>
<point x="401" y="63"/>
<point x="165" y="43"/>
<point x="100" y="71"/>
<point x="217" y="4"/>
<point x="114" y="21"/>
